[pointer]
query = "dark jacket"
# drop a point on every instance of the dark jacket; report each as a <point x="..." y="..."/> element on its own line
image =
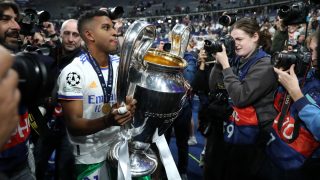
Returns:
<point x="257" y="89"/>
<point x="279" y="40"/>
<point x="64" y="60"/>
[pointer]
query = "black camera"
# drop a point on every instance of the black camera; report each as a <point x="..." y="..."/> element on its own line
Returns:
<point x="44" y="49"/>
<point x="36" y="76"/>
<point x="115" y="12"/>
<point x="300" y="58"/>
<point x="228" y="19"/>
<point x="295" y="14"/>
<point x="31" y="20"/>
<point x="216" y="46"/>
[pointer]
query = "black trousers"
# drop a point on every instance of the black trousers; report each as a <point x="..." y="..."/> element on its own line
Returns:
<point x="181" y="126"/>
<point x="64" y="159"/>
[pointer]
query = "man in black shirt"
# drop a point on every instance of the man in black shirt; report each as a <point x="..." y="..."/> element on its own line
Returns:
<point x="56" y="138"/>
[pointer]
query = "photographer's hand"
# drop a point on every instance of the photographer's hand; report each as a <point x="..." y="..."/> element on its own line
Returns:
<point x="290" y="81"/>
<point x="49" y="28"/>
<point x="222" y="58"/>
<point x="202" y="57"/>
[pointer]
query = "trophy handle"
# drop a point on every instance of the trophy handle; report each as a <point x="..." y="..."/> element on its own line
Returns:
<point x="180" y="35"/>
<point x="137" y="41"/>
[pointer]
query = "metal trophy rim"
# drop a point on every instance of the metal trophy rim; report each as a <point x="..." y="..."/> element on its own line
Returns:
<point x="138" y="28"/>
<point x="183" y="64"/>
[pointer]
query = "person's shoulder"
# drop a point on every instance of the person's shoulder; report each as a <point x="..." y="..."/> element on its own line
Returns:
<point x="265" y="61"/>
<point x="76" y="65"/>
<point x="190" y="56"/>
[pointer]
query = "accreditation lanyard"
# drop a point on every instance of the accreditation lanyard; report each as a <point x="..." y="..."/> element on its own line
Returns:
<point x="106" y="88"/>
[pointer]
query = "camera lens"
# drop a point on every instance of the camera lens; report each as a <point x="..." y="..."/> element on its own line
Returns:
<point x="36" y="76"/>
<point x="207" y="43"/>
<point x="224" y="20"/>
<point x="284" y="60"/>
<point x="207" y="47"/>
<point x="227" y="20"/>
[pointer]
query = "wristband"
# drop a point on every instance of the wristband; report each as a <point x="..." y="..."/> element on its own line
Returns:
<point x="122" y="110"/>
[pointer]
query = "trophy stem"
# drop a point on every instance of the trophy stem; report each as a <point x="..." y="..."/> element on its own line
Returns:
<point x="125" y="131"/>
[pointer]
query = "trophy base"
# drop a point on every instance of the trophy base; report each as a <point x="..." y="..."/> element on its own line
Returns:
<point x="143" y="160"/>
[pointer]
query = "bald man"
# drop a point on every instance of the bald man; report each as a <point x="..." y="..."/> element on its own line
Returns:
<point x="70" y="42"/>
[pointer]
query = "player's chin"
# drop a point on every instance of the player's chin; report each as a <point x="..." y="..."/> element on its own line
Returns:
<point x="113" y="49"/>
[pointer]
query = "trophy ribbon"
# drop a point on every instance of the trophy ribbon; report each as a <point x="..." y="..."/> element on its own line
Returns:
<point x="166" y="156"/>
<point x="124" y="172"/>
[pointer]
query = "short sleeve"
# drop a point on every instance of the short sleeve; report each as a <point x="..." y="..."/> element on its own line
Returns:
<point x="70" y="83"/>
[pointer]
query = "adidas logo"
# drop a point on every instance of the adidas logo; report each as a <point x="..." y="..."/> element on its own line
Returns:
<point x="93" y="84"/>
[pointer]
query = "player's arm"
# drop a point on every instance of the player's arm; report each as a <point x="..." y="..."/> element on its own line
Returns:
<point x="78" y="126"/>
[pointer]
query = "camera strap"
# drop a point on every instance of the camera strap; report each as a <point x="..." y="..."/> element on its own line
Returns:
<point x="106" y="88"/>
<point x="285" y="110"/>
<point x="38" y="121"/>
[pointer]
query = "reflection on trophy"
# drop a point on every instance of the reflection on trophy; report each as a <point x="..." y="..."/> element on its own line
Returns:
<point x="154" y="78"/>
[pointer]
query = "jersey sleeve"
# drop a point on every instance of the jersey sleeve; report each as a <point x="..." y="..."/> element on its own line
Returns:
<point x="70" y="83"/>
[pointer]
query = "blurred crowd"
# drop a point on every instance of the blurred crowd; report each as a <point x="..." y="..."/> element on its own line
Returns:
<point x="230" y="71"/>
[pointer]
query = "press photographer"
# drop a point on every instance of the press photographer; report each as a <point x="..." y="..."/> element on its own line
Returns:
<point x="293" y="15"/>
<point x="218" y="97"/>
<point x="35" y="68"/>
<point x="302" y="108"/>
<point x="36" y="81"/>
<point x="250" y="84"/>
<point x="214" y="106"/>
<point x="32" y="21"/>
<point x="294" y="140"/>
<point x="38" y="33"/>
<point x="288" y="20"/>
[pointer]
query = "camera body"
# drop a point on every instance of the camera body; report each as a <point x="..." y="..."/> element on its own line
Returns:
<point x="212" y="47"/>
<point x="295" y="14"/>
<point x="31" y="20"/>
<point x="301" y="58"/>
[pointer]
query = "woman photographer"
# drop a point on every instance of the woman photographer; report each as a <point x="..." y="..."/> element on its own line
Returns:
<point x="250" y="83"/>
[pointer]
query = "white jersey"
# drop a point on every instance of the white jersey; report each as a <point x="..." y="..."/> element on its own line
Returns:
<point x="79" y="81"/>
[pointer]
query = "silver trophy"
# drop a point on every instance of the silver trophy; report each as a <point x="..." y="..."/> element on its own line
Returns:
<point x="154" y="78"/>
